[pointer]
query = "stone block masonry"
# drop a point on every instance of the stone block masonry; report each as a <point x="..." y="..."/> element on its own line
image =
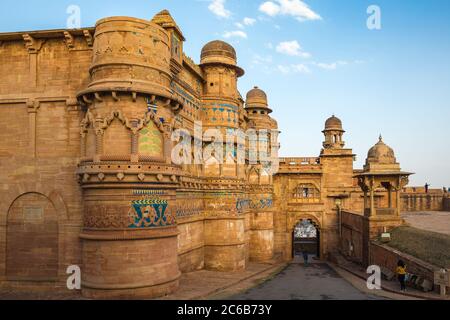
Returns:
<point x="87" y="176"/>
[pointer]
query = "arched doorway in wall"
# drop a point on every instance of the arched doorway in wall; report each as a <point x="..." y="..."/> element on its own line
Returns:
<point x="32" y="239"/>
<point x="306" y="237"/>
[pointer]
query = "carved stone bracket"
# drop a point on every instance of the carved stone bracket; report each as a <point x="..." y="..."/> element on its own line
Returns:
<point x="33" y="45"/>
<point x="404" y="181"/>
<point x="69" y="40"/>
<point x="89" y="38"/>
<point x="33" y="106"/>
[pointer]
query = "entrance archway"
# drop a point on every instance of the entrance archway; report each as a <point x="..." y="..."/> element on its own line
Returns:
<point x="306" y="237"/>
<point x="32" y="239"/>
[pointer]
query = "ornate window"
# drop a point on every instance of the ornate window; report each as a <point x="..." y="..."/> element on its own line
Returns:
<point x="306" y="192"/>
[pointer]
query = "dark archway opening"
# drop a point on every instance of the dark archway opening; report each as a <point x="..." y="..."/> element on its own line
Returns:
<point x="306" y="237"/>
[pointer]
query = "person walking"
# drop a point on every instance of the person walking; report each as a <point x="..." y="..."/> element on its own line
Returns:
<point x="305" y="257"/>
<point x="401" y="274"/>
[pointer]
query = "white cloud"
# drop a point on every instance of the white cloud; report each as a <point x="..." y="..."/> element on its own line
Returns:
<point x="294" y="68"/>
<point x="300" y="68"/>
<point x="236" y="33"/>
<point x="292" y="48"/>
<point x="330" y="66"/>
<point x="245" y="22"/>
<point x="249" y="21"/>
<point x="270" y="8"/>
<point x="218" y="8"/>
<point x="295" y="8"/>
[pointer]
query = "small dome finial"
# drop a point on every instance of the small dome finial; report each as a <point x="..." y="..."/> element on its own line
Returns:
<point x="381" y="138"/>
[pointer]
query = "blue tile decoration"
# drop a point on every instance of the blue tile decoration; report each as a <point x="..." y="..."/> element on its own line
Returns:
<point x="244" y="204"/>
<point x="151" y="107"/>
<point x="150" y="213"/>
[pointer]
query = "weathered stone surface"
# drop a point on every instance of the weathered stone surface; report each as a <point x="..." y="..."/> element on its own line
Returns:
<point x="87" y="176"/>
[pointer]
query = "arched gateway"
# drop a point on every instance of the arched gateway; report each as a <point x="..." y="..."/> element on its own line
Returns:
<point x="306" y="237"/>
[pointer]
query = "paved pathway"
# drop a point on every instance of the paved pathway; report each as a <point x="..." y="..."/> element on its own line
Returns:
<point x="437" y="221"/>
<point x="203" y="284"/>
<point x="194" y="285"/>
<point x="314" y="282"/>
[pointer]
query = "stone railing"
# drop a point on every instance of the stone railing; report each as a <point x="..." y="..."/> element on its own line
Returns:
<point x="300" y="161"/>
<point x="381" y="211"/>
<point x="299" y="164"/>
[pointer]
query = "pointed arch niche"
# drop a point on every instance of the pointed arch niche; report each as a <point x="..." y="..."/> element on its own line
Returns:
<point x="117" y="138"/>
<point x="151" y="141"/>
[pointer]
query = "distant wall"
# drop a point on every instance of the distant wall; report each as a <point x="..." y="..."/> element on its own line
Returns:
<point x="415" y="199"/>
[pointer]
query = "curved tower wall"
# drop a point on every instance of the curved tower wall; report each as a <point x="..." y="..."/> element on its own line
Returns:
<point x="131" y="54"/>
<point x="226" y="238"/>
<point x="261" y="191"/>
<point x="129" y="185"/>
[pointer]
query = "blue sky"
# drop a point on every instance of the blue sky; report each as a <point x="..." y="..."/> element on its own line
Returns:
<point x="315" y="58"/>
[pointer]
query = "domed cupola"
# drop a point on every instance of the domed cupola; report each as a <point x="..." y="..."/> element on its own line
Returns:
<point x="257" y="101"/>
<point x="381" y="153"/>
<point x="258" y="111"/>
<point x="333" y="133"/>
<point x="220" y="52"/>
<point x="381" y="157"/>
<point x="333" y="123"/>
<point x="382" y="173"/>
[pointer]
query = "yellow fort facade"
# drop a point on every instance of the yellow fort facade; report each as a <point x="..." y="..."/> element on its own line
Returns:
<point x="87" y="173"/>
